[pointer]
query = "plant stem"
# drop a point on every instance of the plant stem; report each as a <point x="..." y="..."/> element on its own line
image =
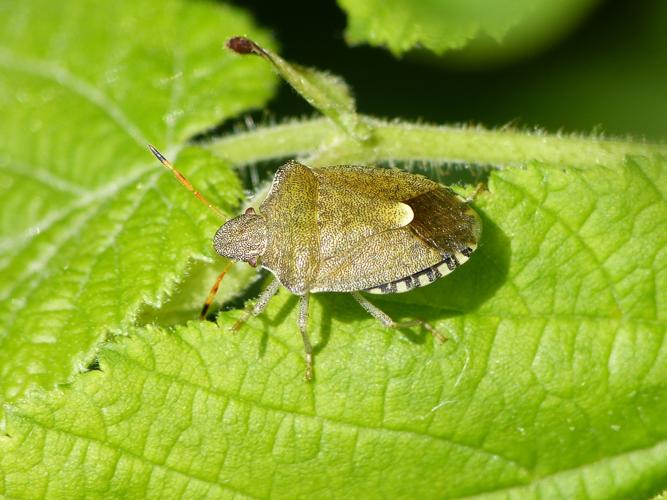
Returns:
<point x="396" y="141"/>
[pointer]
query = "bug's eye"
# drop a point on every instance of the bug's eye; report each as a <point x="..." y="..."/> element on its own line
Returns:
<point x="252" y="262"/>
<point x="250" y="211"/>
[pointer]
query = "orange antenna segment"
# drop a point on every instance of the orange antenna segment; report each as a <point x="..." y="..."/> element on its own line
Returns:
<point x="181" y="178"/>
<point x="213" y="292"/>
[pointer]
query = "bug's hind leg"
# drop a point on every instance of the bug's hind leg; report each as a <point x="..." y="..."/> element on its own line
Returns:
<point x="473" y="196"/>
<point x="303" y="327"/>
<point x="381" y="316"/>
<point x="260" y="305"/>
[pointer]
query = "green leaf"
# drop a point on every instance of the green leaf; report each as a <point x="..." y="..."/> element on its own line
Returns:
<point x="91" y="227"/>
<point x="489" y="28"/>
<point x="553" y="382"/>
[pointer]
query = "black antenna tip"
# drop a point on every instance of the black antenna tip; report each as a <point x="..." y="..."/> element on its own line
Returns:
<point x="157" y="154"/>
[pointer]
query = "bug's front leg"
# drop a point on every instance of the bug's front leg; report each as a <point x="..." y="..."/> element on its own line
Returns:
<point x="260" y="305"/>
<point x="303" y="327"/>
<point x="381" y="316"/>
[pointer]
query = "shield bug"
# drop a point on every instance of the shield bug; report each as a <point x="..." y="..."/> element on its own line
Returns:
<point x="347" y="229"/>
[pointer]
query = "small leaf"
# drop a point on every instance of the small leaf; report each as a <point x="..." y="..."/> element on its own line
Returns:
<point x="553" y="382"/>
<point x="325" y="92"/>
<point x="91" y="228"/>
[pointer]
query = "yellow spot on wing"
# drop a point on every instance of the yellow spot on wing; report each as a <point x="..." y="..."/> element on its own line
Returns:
<point x="405" y="214"/>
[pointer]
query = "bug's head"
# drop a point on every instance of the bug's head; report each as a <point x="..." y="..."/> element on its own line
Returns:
<point x="242" y="238"/>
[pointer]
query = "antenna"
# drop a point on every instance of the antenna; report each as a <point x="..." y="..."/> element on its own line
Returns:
<point x="181" y="178"/>
<point x="214" y="291"/>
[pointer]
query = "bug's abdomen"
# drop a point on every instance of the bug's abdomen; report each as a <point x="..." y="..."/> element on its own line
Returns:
<point x="427" y="276"/>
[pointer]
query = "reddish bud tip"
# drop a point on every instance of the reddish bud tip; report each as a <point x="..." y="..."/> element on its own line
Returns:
<point x="241" y="45"/>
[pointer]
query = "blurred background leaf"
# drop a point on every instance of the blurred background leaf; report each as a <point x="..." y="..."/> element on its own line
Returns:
<point x="486" y="29"/>
<point x="608" y="75"/>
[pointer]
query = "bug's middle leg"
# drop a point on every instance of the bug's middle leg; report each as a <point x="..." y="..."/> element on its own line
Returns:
<point x="303" y="328"/>
<point x="381" y="316"/>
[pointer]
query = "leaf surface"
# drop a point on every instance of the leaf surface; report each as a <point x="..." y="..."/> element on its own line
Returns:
<point x="552" y="382"/>
<point x="90" y="225"/>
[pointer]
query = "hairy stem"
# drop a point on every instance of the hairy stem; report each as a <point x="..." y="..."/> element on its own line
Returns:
<point x="395" y="141"/>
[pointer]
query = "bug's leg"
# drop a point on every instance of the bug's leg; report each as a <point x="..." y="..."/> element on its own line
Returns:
<point x="478" y="189"/>
<point x="303" y="327"/>
<point x="381" y="316"/>
<point x="213" y="292"/>
<point x="260" y="305"/>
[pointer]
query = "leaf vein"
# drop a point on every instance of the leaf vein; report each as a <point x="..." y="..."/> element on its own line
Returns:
<point x="43" y="176"/>
<point x="140" y="458"/>
<point x="74" y="84"/>
<point x="660" y="446"/>
<point x="582" y="242"/>
<point x="74" y="231"/>
<point x="326" y="419"/>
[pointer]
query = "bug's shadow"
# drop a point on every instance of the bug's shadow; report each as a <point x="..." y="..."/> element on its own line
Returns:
<point x="462" y="292"/>
<point x="346" y="310"/>
<point x="448" y="173"/>
<point x="282" y="316"/>
<point x="277" y="319"/>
